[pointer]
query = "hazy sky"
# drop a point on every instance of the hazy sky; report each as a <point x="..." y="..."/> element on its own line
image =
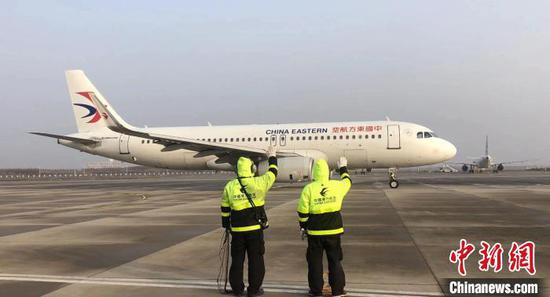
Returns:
<point x="462" y="68"/>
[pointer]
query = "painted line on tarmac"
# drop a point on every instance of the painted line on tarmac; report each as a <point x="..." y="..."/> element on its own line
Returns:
<point x="189" y="284"/>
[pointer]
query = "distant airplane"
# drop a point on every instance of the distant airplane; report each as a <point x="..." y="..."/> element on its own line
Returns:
<point x="485" y="162"/>
<point x="380" y="144"/>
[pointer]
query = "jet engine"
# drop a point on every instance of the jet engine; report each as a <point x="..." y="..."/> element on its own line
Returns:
<point x="291" y="169"/>
<point x="500" y="167"/>
<point x="464" y="167"/>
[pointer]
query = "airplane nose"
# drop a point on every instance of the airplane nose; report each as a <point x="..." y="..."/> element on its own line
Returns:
<point x="450" y="150"/>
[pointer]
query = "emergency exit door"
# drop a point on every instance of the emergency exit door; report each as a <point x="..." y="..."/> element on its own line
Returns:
<point x="123" y="144"/>
<point x="394" y="137"/>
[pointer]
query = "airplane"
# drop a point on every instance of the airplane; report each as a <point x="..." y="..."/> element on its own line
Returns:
<point x="366" y="144"/>
<point x="485" y="162"/>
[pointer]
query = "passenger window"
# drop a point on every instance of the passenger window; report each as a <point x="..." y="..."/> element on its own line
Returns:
<point x="372" y="136"/>
<point x="379" y="135"/>
<point x="309" y="138"/>
<point x="231" y="140"/>
<point x="248" y="139"/>
<point x="322" y="137"/>
<point x="334" y="137"/>
<point x="315" y="137"/>
<point x="360" y="136"/>
<point x="419" y="135"/>
<point x="341" y="137"/>
<point x="142" y="141"/>
<point x="353" y="137"/>
<point x="236" y="140"/>
<point x="347" y="136"/>
<point x="254" y="138"/>
<point x="303" y="138"/>
<point x="243" y="139"/>
<point x="427" y="135"/>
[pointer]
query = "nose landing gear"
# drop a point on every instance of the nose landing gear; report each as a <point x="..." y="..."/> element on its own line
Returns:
<point x="394" y="183"/>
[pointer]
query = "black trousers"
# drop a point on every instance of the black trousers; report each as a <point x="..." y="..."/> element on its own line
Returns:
<point x="251" y="243"/>
<point x="315" y="248"/>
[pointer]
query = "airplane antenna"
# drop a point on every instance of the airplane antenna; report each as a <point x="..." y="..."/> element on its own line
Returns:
<point x="388" y="119"/>
<point x="209" y="124"/>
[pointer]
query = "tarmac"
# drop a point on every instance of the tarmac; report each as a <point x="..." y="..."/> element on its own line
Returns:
<point x="161" y="236"/>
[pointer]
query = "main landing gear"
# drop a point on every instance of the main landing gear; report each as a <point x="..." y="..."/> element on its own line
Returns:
<point x="394" y="183"/>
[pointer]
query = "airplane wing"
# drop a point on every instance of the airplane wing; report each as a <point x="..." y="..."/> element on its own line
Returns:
<point x="463" y="163"/>
<point x="510" y="162"/>
<point x="85" y="141"/>
<point x="203" y="148"/>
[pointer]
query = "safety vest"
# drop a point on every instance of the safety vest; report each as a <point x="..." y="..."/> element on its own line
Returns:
<point x="321" y="201"/>
<point x="236" y="209"/>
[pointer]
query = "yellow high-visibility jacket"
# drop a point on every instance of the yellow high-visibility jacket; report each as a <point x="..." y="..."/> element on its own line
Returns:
<point x="321" y="201"/>
<point x="237" y="212"/>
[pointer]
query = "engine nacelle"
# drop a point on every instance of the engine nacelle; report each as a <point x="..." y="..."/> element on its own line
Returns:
<point x="221" y="166"/>
<point x="500" y="167"/>
<point x="291" y="169"/>
<point x="465" y="168"/>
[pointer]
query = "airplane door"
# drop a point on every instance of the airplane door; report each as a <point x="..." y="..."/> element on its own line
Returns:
<point x="273" y="140"/>
<point x="394" y="137"/>
<point x="123" y="144"/>
<point x="282" y="140"/>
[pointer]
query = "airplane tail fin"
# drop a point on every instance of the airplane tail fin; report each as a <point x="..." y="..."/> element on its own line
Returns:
<point x="486" y="145"/>
<point x="87" y="114"/>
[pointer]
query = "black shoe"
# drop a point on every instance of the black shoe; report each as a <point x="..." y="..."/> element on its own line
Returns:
<point x="311" y="294"/>
<point x="238" y="294"/>
<point x="260" y="292"/>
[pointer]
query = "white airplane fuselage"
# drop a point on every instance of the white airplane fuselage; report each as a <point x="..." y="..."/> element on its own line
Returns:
<point x="379" y="144"/>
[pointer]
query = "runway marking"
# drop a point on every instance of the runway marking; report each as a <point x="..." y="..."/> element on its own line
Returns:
<point x="189" y="284"/>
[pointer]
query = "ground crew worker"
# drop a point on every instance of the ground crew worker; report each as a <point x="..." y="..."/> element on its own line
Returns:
<point x="319" y="216"/>
<point x="242" y="218"/>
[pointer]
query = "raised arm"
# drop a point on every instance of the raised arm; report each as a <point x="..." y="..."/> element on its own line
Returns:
<point x="345" y="183"/>
<point x="271" y="175"/>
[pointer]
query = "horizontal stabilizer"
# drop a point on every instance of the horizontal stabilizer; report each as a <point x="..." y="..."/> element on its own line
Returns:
<point x="69" y="138"/>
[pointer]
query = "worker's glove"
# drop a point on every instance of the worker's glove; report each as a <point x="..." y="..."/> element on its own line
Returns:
<point x="343" y="162"/>
<point x="303" y="233"/>
<point x="271" y="151"/>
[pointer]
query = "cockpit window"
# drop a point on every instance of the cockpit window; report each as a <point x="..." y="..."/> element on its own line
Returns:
<point x="427" y="135"/>
<point x="420" y="135"/>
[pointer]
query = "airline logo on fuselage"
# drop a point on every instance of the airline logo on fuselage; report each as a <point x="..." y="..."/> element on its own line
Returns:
<point x="339" y="129"/>
<point x="296" y="131"/>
